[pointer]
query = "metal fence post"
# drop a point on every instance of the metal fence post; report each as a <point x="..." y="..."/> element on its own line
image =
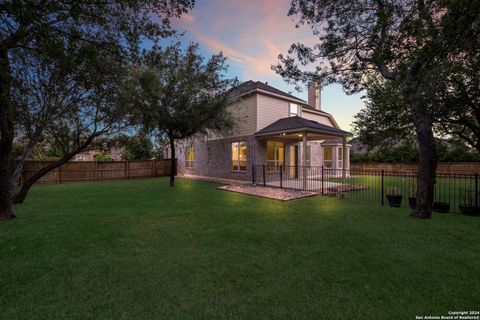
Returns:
<point x="322" y="180"/>
<point x="253" y="174"/>
<point x="281" y="173"/>
<point x="476" y="192"/>
<point x="383" y="200"/>
<point x="263" y="166"/>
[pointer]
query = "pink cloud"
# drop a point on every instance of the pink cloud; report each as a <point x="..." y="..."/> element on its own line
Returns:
<point x="250" y="33"/>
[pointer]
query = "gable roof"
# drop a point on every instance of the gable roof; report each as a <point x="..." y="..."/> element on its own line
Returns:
<point x="255" y="86"/>
<point x="251" y="86"/>
<point x="300" y="124"/>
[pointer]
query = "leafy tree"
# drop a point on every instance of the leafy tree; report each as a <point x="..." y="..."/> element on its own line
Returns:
<point x="137" y="147"/>
<point x="182" y="95"/>
<point x="452" y="150"/>
<point x="401" y="42"/>
<point x="455" y="107"/>
<point x="102" y="156"/>
<point x="51" y="32"/>
<point x="68" y="106"/>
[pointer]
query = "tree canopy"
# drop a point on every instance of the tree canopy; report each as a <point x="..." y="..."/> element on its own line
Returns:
<point x="401" y="42"/>
<point x="181" y="94"/>
<point x="57" y="42"/>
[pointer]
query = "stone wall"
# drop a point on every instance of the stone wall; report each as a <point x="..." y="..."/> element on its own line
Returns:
<point x="213" y="157"/>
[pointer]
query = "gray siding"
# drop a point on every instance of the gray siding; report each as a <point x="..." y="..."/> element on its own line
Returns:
<point x="317" y="117"/>
<point x="270" y="110"/>
<point x="245" y="113"/>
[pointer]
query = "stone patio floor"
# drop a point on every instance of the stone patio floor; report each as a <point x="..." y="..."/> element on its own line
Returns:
<point x="268" y="192"/>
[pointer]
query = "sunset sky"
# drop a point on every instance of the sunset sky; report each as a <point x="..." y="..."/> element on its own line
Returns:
<point x="252" y="34"/>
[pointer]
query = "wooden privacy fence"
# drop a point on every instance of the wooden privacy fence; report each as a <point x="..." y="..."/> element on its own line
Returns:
<point x="442" y="167"/>
<point x="85" y="171"/>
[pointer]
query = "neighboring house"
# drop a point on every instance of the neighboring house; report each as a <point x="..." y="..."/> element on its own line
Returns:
<point x="116" y="154"/>
<point x="88" y="155"/>
<point x="273" y="129"/>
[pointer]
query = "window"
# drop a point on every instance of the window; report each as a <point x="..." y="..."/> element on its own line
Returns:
<point x="275" y="155"/>
<point x="328" y="156"/>
<point x="293" y="109"/>
<point x="340" y="158"/>
<point x="309" y="154"/>
<point x="189" y="157"/>
<point x="239" y="156"/>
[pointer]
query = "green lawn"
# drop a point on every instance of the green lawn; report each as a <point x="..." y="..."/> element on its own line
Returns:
<point x="454" y="189"/>
<point x="141" y="250"/>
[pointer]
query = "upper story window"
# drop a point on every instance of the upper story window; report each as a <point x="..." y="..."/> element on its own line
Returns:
<point x="293" y="109"/>
<point x="239" y="156"/>
<point x="189" y="157"/>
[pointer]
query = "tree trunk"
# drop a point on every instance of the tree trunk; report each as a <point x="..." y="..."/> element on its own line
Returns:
<point x="7" y="134"/>
<point x="173" y="163"/>
<point x="22" y="194"/>
<point x="6" y="173"/>
<point x="428" y="162"/>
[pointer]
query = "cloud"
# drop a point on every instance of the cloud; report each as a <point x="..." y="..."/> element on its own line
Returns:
<point x="250" y="33"/>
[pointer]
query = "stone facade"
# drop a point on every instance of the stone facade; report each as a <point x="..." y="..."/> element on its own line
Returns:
<point x="213" y="157"/>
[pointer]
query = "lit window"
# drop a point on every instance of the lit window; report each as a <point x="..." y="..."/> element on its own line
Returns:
<point x="239" y="156"/>
<point x="275" y="155"/>
<point x="328" y="156"/>
<point x="293" y="109"/>
<point x="340" y="158"/>
<point x="189" y="157"/>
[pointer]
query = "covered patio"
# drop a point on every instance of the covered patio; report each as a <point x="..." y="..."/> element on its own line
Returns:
<point x="296" y="166"/>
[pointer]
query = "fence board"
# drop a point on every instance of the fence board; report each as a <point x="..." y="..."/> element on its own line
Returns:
<point x="85" y="171"/>
<point x="442" y="167"/>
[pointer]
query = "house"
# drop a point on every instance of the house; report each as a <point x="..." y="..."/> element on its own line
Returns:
<point x="273" y="128"/>
<point x="113" y="153"/>
<point x="87" y="155"/>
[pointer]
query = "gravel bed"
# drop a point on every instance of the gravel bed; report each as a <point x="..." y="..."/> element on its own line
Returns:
<point x="268" y="192"/>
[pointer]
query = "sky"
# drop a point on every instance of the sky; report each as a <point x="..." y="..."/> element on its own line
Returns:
<point x="252" y="34"/>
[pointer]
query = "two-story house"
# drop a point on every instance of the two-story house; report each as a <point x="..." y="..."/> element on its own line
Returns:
<point x="273" y="128"/>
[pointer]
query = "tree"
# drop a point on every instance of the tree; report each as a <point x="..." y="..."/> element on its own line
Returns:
<point x="35" y="31"/>
<point x="136" y="147"/>
<point x="401" y="42"/>
<point x="455" y="106"/>
<point x="68" y="106"/>
<point x="182" y="95"/>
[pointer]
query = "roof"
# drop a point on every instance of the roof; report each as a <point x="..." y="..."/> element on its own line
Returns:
<point x="250" y="86"/>
<point x="253" y="86"/>
<point x="301" y="124"/>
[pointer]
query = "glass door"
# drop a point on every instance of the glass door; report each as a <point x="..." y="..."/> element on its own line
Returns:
<point x="275" y="155"/>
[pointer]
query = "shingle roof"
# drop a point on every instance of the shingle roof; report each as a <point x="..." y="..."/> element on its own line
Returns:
<point x="298" y="123"/>
<point x="250" y="85"/>
<point x="257" y="85"/>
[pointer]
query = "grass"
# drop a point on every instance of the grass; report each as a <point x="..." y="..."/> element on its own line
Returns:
<point x="455" y="190"/>
<point x="141" y="250"/>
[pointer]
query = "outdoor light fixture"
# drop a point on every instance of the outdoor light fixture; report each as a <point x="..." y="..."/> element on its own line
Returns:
<point x="283" y="134"/>
<point x="300" y="135"/>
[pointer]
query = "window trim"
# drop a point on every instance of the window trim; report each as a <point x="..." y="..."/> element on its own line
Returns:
<point x="238" y="169"/>
<point x="275" y="162"/>
<point x="293" y="114"/>
<point x="330" y="162"/>
<point x="189" y="164"/>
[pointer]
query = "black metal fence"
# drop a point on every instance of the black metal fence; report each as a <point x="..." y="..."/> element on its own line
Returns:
<point x="453" y="192"/>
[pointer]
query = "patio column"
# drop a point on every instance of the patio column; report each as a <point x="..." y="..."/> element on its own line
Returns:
<point x="304" y="160"/>
<point x="344" y="160"/>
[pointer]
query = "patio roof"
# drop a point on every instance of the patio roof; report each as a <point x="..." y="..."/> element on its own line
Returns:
<point x="299" y="124"/>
